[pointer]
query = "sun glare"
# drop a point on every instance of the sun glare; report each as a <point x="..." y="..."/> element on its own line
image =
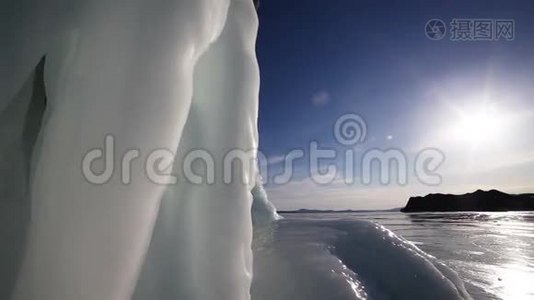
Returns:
<point x="479" y="125"/>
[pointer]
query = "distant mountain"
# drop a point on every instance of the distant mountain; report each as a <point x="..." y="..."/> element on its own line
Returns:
<point x="478" y="201"/>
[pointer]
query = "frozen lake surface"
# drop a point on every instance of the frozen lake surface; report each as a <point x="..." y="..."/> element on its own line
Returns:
<point x="340" y="256"/>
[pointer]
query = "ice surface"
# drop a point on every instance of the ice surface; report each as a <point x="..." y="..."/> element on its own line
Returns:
<point x="163" y="74"/>
<point x="346" y="259"/>
<point x="391" y="267"/>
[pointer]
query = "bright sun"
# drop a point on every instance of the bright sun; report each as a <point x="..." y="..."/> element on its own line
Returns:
<point x="479" y="125"/>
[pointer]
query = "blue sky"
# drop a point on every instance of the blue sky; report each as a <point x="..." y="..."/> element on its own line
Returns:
<point x="323" y="59"/>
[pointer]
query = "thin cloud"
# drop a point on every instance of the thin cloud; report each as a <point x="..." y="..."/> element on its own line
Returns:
<point x="321" y="99"/>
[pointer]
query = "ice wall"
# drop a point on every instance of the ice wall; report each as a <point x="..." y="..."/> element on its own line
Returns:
<point x="159" y="74"/>
<point x="20" y="124"/>
<point x="201" y="247"/>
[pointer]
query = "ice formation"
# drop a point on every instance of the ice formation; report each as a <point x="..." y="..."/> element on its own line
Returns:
<point x="179" y="75"/>
<point x="263" y="211"/>
<point x="163" y="74"/>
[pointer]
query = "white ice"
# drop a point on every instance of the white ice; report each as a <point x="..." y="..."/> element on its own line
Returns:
<point x="160" y="74"/>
